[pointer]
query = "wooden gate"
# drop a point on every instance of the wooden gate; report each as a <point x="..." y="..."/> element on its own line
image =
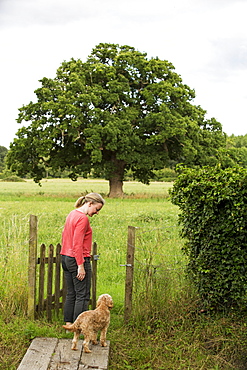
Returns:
<point x="46" y="283"/>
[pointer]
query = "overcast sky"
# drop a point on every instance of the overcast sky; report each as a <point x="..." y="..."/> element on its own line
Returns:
<point x="205" y="40"/>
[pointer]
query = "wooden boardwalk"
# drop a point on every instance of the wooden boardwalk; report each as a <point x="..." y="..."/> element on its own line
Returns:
<point x="56" y="354"/>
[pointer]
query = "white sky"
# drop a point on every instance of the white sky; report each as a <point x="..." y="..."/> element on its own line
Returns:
<point x="205" y="40"/>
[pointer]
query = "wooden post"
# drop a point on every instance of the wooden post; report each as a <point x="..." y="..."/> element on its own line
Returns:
<point x="32" y="266"/>
<point x="94" y="275"/>
<point x="129" y="272"/>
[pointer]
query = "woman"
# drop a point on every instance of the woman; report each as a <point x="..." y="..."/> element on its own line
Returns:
<point x="76" y="254"/>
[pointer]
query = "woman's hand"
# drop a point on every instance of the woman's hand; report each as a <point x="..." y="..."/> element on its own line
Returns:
<point x="81" y="272"/>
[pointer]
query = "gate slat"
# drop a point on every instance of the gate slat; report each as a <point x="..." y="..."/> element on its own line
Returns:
<point x="64" y="291"/>
<point x="49" y="282"/>
<point x="94" y="275"/>
<point x="41" y="279"/>
<point x="57" y="278"/>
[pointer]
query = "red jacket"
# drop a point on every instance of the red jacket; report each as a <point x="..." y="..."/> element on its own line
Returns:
<point x="77" y="236"/>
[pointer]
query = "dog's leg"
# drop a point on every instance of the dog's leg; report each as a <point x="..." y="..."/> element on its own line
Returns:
<point x="87" y="336"/>
<point x="94" y="337"/>
<point x="86" y="344"/>
<point x="75" y="340"/>
<point x="103" y="337"/>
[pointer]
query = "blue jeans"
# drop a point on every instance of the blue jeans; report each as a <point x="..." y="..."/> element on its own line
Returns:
<point x="78" y="292"/>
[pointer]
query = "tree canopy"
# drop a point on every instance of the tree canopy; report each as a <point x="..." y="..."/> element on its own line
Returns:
<point x="234" y="153"/>
<point x="117" y="111"/>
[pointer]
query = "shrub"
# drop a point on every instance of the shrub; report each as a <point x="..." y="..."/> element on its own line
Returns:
<point x="213" y="204"/>
<point x="166" y="174"/>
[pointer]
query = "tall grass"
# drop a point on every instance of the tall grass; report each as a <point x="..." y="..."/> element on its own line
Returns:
<point x="159" y="271"/>
<point x="13" y="262"/>
<point x="51" y="208"/>
<point x="167" y="330"/>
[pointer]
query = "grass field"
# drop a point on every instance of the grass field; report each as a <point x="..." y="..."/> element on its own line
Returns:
<point x="54" y="200"/>
<point x="66" y="188"/>
<point x="167" y="330"/>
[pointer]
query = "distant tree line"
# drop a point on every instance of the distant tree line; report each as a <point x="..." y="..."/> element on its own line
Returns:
<point x="233" y="154"/>
<point x="3" y="153"/>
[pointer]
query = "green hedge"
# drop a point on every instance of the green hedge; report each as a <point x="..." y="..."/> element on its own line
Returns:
<point x="213" y="204"/>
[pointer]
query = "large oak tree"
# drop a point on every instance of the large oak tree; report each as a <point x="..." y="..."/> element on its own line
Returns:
<point x="117" y="111"/>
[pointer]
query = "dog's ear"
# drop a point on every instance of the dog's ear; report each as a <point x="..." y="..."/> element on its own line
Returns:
<point x="100" y="300"/>
<point x="108" y="301"/>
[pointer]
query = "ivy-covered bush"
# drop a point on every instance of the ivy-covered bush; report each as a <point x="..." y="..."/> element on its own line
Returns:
<point x="213" y="204"/>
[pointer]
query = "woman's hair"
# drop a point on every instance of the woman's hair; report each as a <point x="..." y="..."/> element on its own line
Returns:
<point x="91" y="197"/>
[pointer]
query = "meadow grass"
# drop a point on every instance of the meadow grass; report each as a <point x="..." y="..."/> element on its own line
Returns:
<point x="64" y="188"/>
<point x="51" y="207"/>
<point x="167" y="329"/>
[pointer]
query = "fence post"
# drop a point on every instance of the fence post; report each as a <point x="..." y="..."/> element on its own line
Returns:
<point x="129" y="272"/>
<point x="94" y="275"/>
<point x="32" y="266"/>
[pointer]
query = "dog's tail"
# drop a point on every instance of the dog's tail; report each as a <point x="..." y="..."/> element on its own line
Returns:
<point x="69" y="327"/>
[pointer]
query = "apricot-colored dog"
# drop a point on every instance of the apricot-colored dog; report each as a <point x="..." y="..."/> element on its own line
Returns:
<point x="90" y="322"/>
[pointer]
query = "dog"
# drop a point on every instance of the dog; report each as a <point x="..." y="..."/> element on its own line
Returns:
<point x="90" y="322"/>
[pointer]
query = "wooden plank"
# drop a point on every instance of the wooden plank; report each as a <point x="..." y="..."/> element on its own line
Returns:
<point x="49" y="283"/>
<point x="56" y="354"/>
<point x="39" y="354"/>
<point x="97" y="359"/>
<point x="64" y="291"/>
<point x="41" y="279"/>
<point x="57" y="278"/>
<point x="65" y="358"/>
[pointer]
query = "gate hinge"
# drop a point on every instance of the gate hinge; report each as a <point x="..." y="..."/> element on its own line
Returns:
<point x="127" y="265"/>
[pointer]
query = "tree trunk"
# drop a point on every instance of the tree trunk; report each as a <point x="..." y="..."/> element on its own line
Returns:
<point x="116" y="187"/>
<point x="116" y="179"/>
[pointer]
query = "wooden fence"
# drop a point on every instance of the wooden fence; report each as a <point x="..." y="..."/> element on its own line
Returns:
<point x="46" y="283"/>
